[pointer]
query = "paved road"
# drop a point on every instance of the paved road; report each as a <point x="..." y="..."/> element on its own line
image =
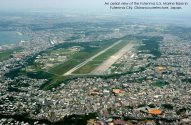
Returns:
<point x="90" y="59"/>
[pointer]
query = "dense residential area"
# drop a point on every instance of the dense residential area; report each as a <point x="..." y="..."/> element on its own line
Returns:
<point x="120" y="73"/>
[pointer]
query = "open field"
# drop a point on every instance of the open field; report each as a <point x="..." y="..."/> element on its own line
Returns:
<point x="4" y="55"/>
<point x="93" y="63"/>
<point x="90" y="59"/>
<point x="53" y="58"/>
<point x="89" y="50"/>
<point x="107" y="63"/>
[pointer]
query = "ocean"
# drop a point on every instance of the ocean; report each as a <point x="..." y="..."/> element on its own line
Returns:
<point x="11" y="37"/>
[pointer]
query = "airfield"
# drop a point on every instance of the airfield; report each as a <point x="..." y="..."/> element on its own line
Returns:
<point x="103" y="60"/>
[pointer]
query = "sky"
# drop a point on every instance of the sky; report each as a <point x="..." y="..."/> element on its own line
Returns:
<point x="87" y="7"/>
<point x="49" y="4"/>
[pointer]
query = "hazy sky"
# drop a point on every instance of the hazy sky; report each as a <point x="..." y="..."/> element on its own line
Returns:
<point x="84" y="6"/>
<point x="49" y="4"/>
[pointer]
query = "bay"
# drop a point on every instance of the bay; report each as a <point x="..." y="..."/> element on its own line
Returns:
<point x="11" y="37"/>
